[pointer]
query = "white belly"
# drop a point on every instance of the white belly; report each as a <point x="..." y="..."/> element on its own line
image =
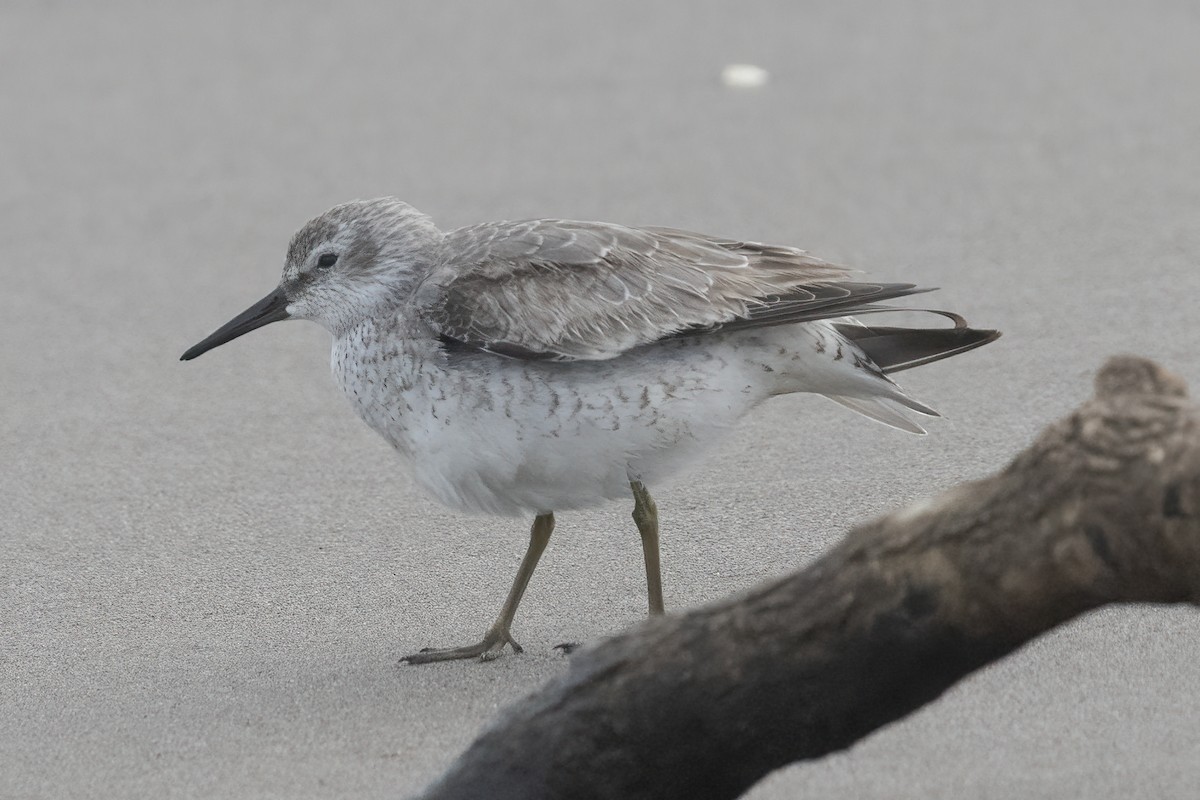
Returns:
<point x="504" y="436"/>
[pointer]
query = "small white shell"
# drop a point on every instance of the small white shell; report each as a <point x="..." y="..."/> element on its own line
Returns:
<point x="744" y="76"/>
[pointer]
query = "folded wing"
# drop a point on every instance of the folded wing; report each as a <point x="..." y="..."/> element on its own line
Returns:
<point x="565" y="290"/>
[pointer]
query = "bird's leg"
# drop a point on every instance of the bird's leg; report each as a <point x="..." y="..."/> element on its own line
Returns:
<point x="498" y="635"/>
<point x="645" y="516"/>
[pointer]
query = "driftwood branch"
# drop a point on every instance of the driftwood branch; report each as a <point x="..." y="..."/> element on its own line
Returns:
<point x="1104" y="507"/>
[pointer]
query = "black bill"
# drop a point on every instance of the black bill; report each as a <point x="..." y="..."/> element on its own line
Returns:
<point x="271" y="308"/>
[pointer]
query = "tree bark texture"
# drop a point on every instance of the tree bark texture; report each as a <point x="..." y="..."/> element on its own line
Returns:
<point x="1104" y="507"/>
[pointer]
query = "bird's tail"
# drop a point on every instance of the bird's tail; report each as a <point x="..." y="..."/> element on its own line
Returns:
<point x="893" y="349"/>
<point x="896" y="349"/>
<point x="881" y="409"/>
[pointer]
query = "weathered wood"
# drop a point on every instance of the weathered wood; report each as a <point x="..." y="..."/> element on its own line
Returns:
<point x="1104" y="507"/>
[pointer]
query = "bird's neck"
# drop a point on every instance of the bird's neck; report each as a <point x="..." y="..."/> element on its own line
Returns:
<point x="391" y="336"/>
<point x="379" y="304"/>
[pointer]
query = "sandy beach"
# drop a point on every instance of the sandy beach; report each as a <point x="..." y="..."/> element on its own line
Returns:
<point x="211" y="568"/>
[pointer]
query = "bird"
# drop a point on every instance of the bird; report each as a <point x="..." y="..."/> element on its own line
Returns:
<point x="526" y="368"/>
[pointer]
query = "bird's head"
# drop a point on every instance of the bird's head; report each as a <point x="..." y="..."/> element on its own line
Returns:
<point x="354" y="261"/>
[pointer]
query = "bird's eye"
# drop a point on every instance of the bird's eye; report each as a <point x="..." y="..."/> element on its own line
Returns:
<point x="327" y="260"/>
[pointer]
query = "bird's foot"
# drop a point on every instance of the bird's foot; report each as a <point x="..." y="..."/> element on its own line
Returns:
<point x="488" y="649"/>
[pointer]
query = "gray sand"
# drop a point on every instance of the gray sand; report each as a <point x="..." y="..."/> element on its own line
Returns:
<point x="211" y="568"/>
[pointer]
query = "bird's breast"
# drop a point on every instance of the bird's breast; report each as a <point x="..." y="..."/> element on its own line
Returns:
<point x="386" y="378"/>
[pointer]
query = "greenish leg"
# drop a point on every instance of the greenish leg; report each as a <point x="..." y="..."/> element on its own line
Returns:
<point x="498" y="635"/>
<point x="645" y="516"/>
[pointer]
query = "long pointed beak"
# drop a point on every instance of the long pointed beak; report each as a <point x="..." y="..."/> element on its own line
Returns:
<point x="271" y="308"/>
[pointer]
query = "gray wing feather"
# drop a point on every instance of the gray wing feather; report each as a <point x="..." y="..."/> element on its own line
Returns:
<point x="565" y="290"/>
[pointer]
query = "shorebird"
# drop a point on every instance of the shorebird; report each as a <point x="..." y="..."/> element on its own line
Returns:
<point x="546" y="365"/>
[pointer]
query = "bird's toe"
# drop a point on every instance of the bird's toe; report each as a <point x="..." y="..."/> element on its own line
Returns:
<point x="489" y="648"/>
